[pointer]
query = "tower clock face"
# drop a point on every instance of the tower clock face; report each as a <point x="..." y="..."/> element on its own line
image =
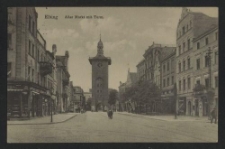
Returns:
<point x="99" y="65"/>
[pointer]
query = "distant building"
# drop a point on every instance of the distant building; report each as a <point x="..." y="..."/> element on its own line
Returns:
<point x="79" y="98"/>
<point x="153" y="62"/>
<point x="62" y="82"/>
<point x="141" y="70"/>
<point x="99" y="79"/>
<point x="168" y="74"/>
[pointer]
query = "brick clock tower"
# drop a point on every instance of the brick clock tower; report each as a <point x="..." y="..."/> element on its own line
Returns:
<point x="99" y="79"/>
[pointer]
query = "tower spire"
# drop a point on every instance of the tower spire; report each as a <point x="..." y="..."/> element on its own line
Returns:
<point x="100" y="47"/>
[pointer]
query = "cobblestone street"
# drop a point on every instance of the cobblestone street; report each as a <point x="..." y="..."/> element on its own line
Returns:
<point x="124" y="127"/>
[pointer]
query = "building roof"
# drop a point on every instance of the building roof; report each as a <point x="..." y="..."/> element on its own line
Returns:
<point x="203" y="23"/>
<point x="141" y="62"/>
<point x="167" y="51"/>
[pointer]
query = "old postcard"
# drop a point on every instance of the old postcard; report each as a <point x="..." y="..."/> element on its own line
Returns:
<point x="112" y="74"/>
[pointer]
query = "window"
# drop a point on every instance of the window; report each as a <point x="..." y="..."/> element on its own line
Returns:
<point x="206" y="41"/>
<point x="29" y="23"/>
<point x="168" y="81"/>
<point x="29" y="48"/>
<point x="183" y="65"/>
<point x="216" y="57"/>
<point x="189" y="44"/>
<point x="206" y="61"/>
<point x="216" y="35"/>
<point x="9" y="69"/>
<point x="183" y="30"/>
<point x="38" y="55"/>
<point x="29" y="73"/>
<point x="180" y="85"/>
<point x="164" y="83"/>
<point x="189" y="83"/>
<point x="179" y="67"/>
<point x="216" y="81"/>
<point x="179" y="49"/>
<point x="164" y="68"/>
<point x="184" y="84"/>
<point x="198" y="63"/>
<point x="207" y="83"/>
<point x="32" y="50"/>
<point x="183" y="46"/>
<point x="190" y="23"/>
<point x="9" y="39"/>
<point x="198" y="45"/>
<point x="198" y="82"/>
<point x="168" y="66"/>
<point x="189" y="63"/>
<point x="33" y="27"/>
<point x="172" y="80"/>
<point x="33" y="75"/>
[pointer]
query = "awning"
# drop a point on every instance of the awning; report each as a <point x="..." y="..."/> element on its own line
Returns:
<point x="14" y="90"/>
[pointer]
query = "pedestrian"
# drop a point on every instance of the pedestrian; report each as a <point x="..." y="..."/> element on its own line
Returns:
<point x="110" y="113"/>
<point x="213" y="115"/>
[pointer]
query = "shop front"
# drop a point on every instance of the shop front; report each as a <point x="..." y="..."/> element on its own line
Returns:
<point x="25" y="99"/>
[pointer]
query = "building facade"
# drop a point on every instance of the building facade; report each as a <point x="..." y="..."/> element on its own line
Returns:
<point x="190" y="27"/>
<point x="100" y="79"/>
<point x="63" y="77"/>
<point x="79" y="98"/>
<point x="27" y="89"/>
<point x="168" y="75"/>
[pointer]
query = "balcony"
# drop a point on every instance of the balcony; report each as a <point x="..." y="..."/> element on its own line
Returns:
<point x="45" y="68"/>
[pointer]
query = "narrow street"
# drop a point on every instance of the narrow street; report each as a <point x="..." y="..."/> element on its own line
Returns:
<point x="96" y="127"/>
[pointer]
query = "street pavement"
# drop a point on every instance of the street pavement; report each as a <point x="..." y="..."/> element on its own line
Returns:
<point x="124" y="127"/>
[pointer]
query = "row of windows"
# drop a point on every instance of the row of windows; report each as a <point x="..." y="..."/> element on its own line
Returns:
<point x="184" y="64"/>
<point x="197" y="82"/>
<point x="207" y="41"/>
<point x="184" y="84"/>
<point x="168" y="81"/>
<point x="207" y="61"/>
<point x="184" y="46"/>
<point x="184" y="30"/>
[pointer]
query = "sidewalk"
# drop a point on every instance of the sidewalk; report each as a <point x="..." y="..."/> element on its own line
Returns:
<point x="58" y="118"/>
<point x="169" y="117"/>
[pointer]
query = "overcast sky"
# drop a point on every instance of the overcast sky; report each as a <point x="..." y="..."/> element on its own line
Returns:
<point x="126" y="33"/>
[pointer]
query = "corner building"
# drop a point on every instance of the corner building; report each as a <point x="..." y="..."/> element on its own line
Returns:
<point x="191" y="26"/>
<point x="100" y="79"/>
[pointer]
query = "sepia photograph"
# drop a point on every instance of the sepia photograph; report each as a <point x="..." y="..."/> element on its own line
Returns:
<point x="112" y="74"/>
